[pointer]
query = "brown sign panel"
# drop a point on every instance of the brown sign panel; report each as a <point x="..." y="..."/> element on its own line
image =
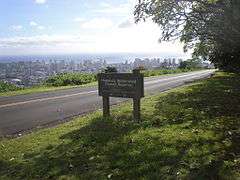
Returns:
<point x="126" y="85"/>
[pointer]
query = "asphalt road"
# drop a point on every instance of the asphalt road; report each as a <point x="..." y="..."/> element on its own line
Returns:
<point x="26" y="112"/>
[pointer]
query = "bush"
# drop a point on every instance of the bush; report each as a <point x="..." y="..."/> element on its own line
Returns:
<point x="66" y="79"/>
<point x="6" y="87"/>
<point x="110" y="69"/>
<point x="191" y="64"/>
<point x="150" y="73"/>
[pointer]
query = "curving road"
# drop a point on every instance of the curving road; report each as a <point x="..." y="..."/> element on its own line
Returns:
<point x="26" y="112"/>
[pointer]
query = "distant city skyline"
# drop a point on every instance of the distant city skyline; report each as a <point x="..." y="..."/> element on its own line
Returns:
<point x="109" y="57"/>
<point x="29" y="73"/>
<point x="43" y="27"/>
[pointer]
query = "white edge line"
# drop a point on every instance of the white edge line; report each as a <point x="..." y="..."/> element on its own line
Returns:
<point x="45" y="99"/>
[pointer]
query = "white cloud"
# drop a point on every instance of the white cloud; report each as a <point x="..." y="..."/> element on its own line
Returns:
<point x="78" y="19"/>
<point x="126" y="24"/>
<point x="16" y="27"/>
<point x="124" y="9"/>
<point x="97" y="23"/>
<point x="40" y="27"/>
<point x="36" y="25"/>
<point x="32" y="23"/>
<point x="40" y="1"/>
<point x="106" y="5"/>
<point x="141" y="38"/>
<point x="40" y="40"/>
<point x="121" y="9"/>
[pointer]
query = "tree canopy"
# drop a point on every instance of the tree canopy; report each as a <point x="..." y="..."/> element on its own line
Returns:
<point x="110" y="69"/>
<point x="210" y="27"/>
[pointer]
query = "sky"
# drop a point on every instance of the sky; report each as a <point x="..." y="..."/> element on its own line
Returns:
<point x="37" y="27"/>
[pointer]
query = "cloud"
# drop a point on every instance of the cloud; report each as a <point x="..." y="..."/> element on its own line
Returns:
<point x="97" y="23"/>
<point x="36" y="25"/>
<point x="142" y="38"/>
<point x="32" y="23"/>
<point x="16" y="27"/>
<point x="117" y="10"/>
<point x="126" y="24"/>
<point x="40" y="40"/>
<point x="123" y="40"/>
<point x="40" y="1"/>
<point x="105" y="4"/>
<point x="123" y="9"/>
<point x="40" y="27"/>
<point x="78" y="19"/>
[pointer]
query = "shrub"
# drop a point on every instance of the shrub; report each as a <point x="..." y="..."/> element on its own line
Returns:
<point x="65" y="79"/>
<point x="149" y="73"/>
<point x="6" y="87"/>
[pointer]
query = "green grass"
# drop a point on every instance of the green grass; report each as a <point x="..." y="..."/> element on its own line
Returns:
<point x="5" y="87"/>
<point x="187" y="133"/>
<point x="159" y="72"/>
<point x="40" y="89"/>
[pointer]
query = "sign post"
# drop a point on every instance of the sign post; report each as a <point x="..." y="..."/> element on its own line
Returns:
<point x="106" y="106"/>
<point x="124" y="85"/>
<point x="136" y="109"/>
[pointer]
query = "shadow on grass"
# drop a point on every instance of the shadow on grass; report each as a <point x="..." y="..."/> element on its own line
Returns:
<point x="80" y="153"/>
<point x="212" y="106"/>
<point x="192" y="134"/>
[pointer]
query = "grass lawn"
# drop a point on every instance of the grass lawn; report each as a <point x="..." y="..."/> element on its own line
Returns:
<point x="191" y="132"/>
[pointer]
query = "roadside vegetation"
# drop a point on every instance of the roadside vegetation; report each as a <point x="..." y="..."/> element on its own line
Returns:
<point x="73" y="80"/>
<point x="41" y="89"/>
<point x="70" y="79"/>
<point x="57" y="82"/>
<point x="159" y="72"/>
<point x="191" y="132"/>
<point x="6" y="87"/>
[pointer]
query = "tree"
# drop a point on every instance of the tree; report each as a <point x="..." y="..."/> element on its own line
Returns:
<point x="190" y="64"/>
<point x="207" y="26"/>
<point x="110" y="69"/>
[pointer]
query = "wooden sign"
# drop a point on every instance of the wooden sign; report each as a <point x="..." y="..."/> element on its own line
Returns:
<point x="125" y="85"/>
